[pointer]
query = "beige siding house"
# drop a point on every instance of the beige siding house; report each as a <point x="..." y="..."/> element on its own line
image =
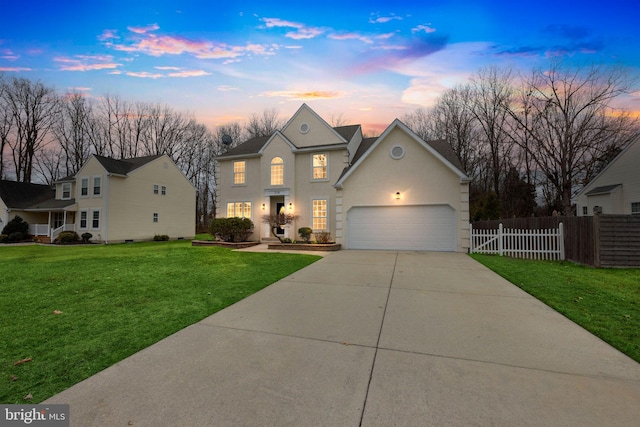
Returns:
<point x="116" y="201"/>
<point x="395" y="191"/>
<point x="616" y="190"/>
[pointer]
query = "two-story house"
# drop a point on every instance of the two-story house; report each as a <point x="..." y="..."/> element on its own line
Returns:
<point x="114" y="200"/>
<point x="395" y="191"/>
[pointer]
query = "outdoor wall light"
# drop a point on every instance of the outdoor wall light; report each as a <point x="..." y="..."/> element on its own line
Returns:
<point x="397" y="195"/>
<point x="263" y="206"/>
<point x="290" y="206"/>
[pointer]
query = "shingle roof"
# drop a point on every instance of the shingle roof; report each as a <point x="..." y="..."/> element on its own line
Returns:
<point x="603" y="190"/>
<point x="446" y="151"/>
<point x="124" y="166"/>
<point x="250" y="146"/>
<point x="347" y="132"/>
<point x="19" y="195"/>
<point x="255" y="144"/>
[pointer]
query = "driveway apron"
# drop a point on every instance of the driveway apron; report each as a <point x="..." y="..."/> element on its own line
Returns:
<point x="371" y="338"/>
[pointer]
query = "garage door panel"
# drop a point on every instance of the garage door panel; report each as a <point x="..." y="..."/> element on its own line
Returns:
<point x="402" y="228"/>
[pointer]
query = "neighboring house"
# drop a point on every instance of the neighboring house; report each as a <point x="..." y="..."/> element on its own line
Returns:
<point x="395" y="191"/>
<point x="615" y="190"/>
<point x="114" y="200"/>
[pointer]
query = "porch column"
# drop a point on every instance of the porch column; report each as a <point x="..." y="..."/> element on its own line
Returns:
<point x="49" y="230"/>
<point x="266" y="211"/>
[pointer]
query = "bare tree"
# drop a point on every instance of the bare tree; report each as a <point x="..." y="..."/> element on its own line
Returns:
<point x="491" y="91"/>
<point x="422" y="123"/>
<point x="338" y="120"/>
<point x="71" y="129"/>
<point x="265" y="124"/>
<point x="454" y="120"/>
<point x="6" y="124"/>
<point x="574" y="124"/>
<point x="34" y="108"/>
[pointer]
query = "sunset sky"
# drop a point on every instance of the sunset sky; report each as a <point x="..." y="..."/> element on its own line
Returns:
<point x="371" y="61"/>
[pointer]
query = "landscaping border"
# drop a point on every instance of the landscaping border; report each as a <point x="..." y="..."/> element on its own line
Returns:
<point x="238" y="245"/>
<point x="305" y="246"/>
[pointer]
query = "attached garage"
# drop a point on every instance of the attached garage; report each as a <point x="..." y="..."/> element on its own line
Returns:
<point x="425" y="228"/>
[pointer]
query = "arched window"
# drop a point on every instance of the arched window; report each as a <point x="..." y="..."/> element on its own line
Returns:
<point x="277" y="171"/>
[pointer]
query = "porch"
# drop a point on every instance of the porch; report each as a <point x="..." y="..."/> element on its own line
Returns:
<point x="57" y="223"/>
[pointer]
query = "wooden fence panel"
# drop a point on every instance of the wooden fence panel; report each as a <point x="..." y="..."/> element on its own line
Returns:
<point x="619" y="240"/>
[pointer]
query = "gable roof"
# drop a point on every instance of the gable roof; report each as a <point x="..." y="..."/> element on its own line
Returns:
<point x="305" y="107"/>
<point x="20" y="195"/>
<point x="124" y="166"/>
<point x="254" y="146"/>
<point x="603" y="190"/>
<point x="439" y="148"/>
<point x="606" y="168"/>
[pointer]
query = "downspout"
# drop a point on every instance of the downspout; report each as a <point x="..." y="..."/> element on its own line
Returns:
<point x="106" y="209"/>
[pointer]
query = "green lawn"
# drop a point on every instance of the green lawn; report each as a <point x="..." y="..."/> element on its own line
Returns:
<point x="114" y="301"/>
<point x="606" y="302"/>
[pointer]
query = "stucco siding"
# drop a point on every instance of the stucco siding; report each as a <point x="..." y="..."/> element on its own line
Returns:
<point x="419" y="177"/>
<point x="319" y="132"/>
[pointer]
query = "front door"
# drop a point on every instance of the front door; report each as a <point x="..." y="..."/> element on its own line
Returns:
<point x="280" y="210"/>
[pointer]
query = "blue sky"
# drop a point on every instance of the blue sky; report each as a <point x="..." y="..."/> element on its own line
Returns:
<point x="370" y="61"/>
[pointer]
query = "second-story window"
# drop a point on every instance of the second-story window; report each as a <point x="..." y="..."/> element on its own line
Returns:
<point x="319" y="166"/>
<point x="66" y="190"/>
<point x="97" y="185"/>
<point x="84" y="187"/>
<point x="277" y="171"/>
<point x="239" y="173"/>
<point x="164" y="190"/>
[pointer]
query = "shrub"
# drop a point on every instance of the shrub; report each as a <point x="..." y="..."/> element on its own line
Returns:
<point x="67" y="237"/>
<point x="305" y="233"/>
<point x="231" y="229"/>
<point x="16" y="236"/>
<point x="161" y="238"/>
<point x="4" y="238"/>
<point x="86" y="237"/>
<point x="287" y="240"/>
<point x="16" y="225"/>
<point x="323" y="237"/>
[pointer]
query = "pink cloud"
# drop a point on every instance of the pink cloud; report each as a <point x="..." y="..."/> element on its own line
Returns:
<point x="144" y="75"/>
<point x="351" y="36"/>
<point x="302" y="95"/>
<point x="108" y="35"/>
<point x="143" y="29"/>
<point x="14" y="69"/>
<point x="189" y="73"/>
<point x="302" y="31"/>
<point x="426" y="28"/>
<point x="384" y="19"/>
<point x="86" y="63"/>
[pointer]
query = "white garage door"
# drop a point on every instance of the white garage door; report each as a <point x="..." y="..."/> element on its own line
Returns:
<point x="426" y="228"/>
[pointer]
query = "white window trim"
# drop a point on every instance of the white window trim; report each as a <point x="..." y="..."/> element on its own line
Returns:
<point x="243" y="209"/>
<point x="100" y="219"/>
<point x="163" y="190"/>
<point x="327" y="167"/>
<point x="88" y="180"/>
<point x="156" y="189"/>
<point x="326" y="217"/>
<point x="271" y="164"/>
<point x="86" y="225"/>
<point x="93" y="185"/>
<point x="638" y="211"/>
<point x="233" y="174"/>
<point x="156" y="217"/>
<point x="66" y="184"/>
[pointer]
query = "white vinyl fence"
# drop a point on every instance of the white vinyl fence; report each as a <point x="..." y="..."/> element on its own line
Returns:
<point x="529" y="244"/>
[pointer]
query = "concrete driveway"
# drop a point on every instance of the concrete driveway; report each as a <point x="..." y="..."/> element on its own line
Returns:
<point x="371" y="338"/>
